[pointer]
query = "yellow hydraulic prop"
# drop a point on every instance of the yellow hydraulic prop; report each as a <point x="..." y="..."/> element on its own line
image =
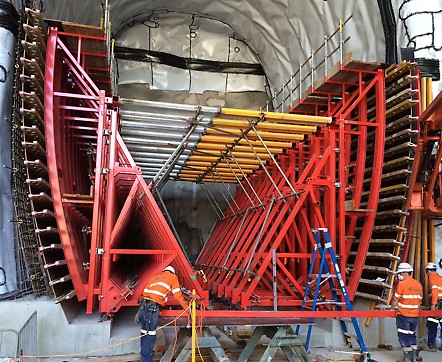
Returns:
<point x="277" y="117"/>
<point x="193" y="308"/>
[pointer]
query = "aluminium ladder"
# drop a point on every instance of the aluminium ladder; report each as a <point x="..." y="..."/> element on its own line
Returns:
<point x="327" y="276"/>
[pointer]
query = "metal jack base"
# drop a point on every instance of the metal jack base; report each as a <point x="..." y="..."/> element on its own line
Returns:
<point x="282" y="337"/>
<point x="184" y="344"/>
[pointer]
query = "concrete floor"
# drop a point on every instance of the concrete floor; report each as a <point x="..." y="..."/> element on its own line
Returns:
<point x="318" y="355"/>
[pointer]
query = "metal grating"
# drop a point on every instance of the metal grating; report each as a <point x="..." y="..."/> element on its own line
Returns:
<point x="34" y="280"/>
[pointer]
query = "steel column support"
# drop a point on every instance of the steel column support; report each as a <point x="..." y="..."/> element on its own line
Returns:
<point x="110" y="212"/>
<point x="98" y="210"/>
<point x="375" y="186"/>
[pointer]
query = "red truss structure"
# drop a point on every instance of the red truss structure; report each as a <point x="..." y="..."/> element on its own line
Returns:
<point x="321" y="185"/>
<point x="110" y="200"/>
<point x="114" y="236"/>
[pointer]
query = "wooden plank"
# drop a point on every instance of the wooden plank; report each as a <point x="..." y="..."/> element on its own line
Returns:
<point x="39" y="184"/>
<point x="35" y="148"/>
<point x="32" y="82"/>
<point x="33" y="117"/>
<point x="335" y="77"/>
<point x="33" y="133"/>
<point x="37" y="167"/>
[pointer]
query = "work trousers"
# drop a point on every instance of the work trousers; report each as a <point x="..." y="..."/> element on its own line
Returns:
<point x="149" y="313"/>
<point x="406" y="330"/>
<point x="432" y="324"/>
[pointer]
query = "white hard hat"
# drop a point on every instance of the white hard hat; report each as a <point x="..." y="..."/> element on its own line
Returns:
<point x="404" y="267"/>
<point x="169" y="269"/>
<point x="431" y="266"/>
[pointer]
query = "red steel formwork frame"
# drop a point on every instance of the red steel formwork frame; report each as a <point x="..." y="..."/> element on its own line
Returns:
<point x="239" y="257"/>
<point x="259" y="256"/>
<point x="128" y="239"/>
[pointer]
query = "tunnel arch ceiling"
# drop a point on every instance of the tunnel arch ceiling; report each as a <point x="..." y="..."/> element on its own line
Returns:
<point x="185" y="52"/>
<point x="282" y="33"/>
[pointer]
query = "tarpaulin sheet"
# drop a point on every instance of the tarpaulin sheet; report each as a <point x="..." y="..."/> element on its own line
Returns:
<point x="281" y="33"/>
<point x="8" y="270"/>
<point x="190" y="37"/>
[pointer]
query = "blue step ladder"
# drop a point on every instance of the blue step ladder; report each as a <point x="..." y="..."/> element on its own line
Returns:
<point x="323" y="276"/>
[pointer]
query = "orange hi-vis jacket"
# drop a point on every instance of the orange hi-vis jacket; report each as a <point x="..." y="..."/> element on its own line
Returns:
<point x="408" y="293"/>
<point x="160" y="286"/>
<point x="436" y="287"/>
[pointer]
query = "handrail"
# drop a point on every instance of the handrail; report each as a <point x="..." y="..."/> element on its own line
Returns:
<point x="289" y="90"/>
<point x="110" y="45"/>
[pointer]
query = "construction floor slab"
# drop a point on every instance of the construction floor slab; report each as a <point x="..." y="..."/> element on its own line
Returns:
<point x="318" y="355"/>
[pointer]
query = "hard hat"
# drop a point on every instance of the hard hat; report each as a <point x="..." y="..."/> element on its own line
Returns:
<point x="169" y="269"/>
<point x="431" y="266"/>
<point x="404" y="267"/>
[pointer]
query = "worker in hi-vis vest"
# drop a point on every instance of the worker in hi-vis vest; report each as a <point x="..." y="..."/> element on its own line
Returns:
<point x="435" y="281"/>
<point x="155" y="296"/>
<point x="408" y="298"/>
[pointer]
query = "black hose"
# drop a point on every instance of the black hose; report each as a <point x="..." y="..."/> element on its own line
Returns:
<point x="9" y="17"/>
<point x="429" y="68"/>
<point x="389" y="25"/>
<point x="151" y="56"/>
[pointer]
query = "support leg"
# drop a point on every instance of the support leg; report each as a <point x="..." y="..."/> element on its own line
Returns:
<point x="286" y="339"/>
<point x="182" y="337"/>
<point x="210" y="342"/>
<point x="251" y="344"/>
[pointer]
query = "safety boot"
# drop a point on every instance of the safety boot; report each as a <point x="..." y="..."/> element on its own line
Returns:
<point x="408" y="357"/>
<point x="418" y="358"/>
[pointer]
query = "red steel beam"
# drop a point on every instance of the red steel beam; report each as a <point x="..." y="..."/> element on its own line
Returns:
<point x="262" y="317"/>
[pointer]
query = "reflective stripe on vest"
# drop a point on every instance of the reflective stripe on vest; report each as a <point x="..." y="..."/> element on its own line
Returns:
<point x="408" y="306"/>
<point x="439" y="292"/>
<point x="156" y="292"/>
<point x="433" y="320"/>
<point x="404" y="331"/>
